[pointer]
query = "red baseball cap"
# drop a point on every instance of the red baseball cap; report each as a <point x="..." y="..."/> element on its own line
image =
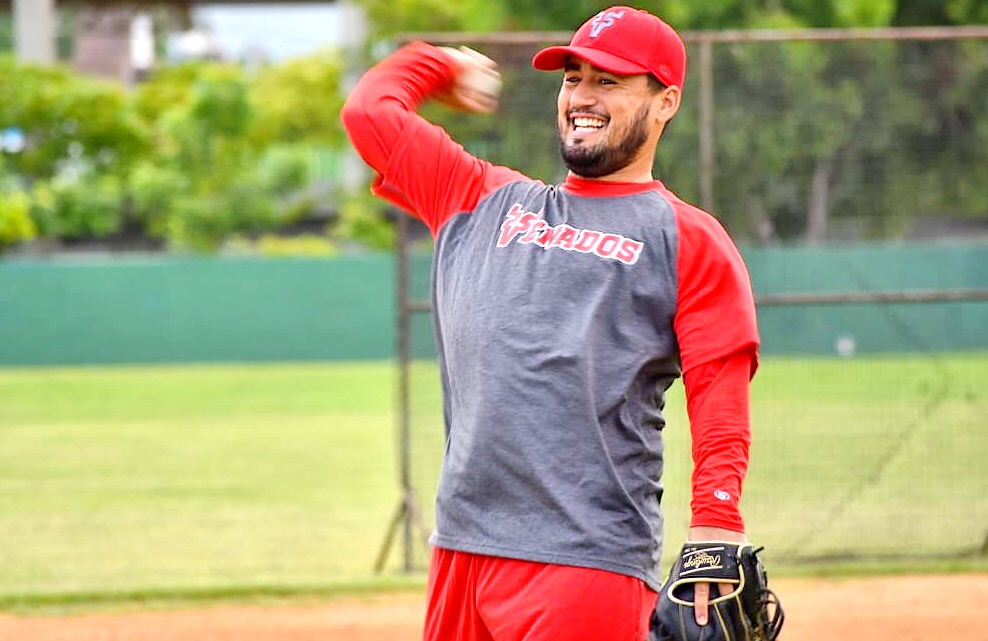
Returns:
<point x="624" y="41"/>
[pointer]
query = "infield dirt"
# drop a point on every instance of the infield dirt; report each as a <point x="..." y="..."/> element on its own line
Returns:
<point x="928" y="608"/>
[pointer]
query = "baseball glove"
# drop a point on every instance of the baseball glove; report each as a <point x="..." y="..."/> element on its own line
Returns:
<point x="750" y="612"/>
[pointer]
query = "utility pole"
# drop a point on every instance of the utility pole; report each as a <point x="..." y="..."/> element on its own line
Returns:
<point x="34" y="31"/>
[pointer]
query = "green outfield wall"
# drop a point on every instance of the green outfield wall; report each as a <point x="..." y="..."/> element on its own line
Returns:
<point x="871" y="327"/>
<point x="202" y="310"/>
<point x="71" y="312"/>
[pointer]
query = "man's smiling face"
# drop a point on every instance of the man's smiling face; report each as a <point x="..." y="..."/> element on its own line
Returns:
<point x="604" y="119"/>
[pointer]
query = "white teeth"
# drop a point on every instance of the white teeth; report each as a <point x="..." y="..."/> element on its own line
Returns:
<point x="583" y="122"/>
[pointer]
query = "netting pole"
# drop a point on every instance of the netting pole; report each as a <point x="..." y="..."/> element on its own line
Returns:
<point x="404" y="359"/>
<point x="406" y="516"/>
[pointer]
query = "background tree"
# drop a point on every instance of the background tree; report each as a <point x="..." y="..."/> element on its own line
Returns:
<point x="16" y="224"/>
<point x="79" y="140"/>
<point x="234" y="150"/>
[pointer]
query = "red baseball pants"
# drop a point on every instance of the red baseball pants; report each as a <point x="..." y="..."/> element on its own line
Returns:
<point x="483" y="598"/>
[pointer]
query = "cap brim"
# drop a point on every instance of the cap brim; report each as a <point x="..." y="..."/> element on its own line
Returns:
<point x="553" y="58"/>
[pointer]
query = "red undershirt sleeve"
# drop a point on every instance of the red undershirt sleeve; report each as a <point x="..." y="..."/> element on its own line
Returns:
<point x="718" y="407"/>
<point x="420" y="168"/>
<point x="717" y="331"/>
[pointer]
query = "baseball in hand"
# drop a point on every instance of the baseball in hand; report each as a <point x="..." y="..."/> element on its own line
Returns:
<point x="477" y="85"/>
<point x="486" y="82"/>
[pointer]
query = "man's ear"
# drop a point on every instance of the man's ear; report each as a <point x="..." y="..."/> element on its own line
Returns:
<point x="666" y="103"/>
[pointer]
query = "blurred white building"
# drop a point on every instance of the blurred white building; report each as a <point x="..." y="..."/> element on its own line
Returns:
<point x="276" y="31"/>
<point x="118" y="39"/>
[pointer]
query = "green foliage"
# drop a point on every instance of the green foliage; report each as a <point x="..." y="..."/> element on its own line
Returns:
<point x="299" y="100"/>
<point x="242" y="149"/>
<point x="152" y="190"/>
<point x="272" y="246"/>
<point x="362" y="221"/>
<point x="205" y="132"/>
<point x="201" y="221"/>
<point x="67" y="116"/>
<point x="16" y="224"/>
<point x="6" y="32"/>
<point x="949" y="125"/>
<point x="940" y="12"/>
<point x="863" y="13"/>
<point x="536" y="15"/>
<point x="231" y="147"/>
<point x="78" y="203"/>
<point x="195" y="154"/>
<point x="967" y="11"/>
<point x="285" y="168"/>
<point x="81" y="138"/>
<point x="163" y="198"/>
<point x="219" y="103"/>
<point x="392" y="17"/>
<point x="167" y="88"/>
<point x="840" y="131"/>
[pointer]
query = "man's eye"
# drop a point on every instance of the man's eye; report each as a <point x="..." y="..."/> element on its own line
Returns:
<point x="571" y="79"/>
<point x="607" y="81"/>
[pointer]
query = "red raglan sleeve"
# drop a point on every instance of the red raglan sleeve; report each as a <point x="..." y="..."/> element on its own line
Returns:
<point x="717" y="330"/>
<point x="420" y="168"/>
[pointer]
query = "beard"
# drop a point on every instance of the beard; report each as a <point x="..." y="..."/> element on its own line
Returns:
<point x="602" y="159"/>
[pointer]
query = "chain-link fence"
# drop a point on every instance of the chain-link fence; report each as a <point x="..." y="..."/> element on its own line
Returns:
<point x="809" y="136"/>
<point x="811" y="147"/>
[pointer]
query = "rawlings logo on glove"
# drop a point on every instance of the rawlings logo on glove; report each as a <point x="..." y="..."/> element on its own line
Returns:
<point x="701" y="560"/>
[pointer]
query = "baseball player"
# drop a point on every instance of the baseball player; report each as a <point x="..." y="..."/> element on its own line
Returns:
<point x="562" y="313"/>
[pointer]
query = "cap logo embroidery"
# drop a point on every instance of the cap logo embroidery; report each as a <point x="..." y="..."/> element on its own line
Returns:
<point x="603" y="20"/>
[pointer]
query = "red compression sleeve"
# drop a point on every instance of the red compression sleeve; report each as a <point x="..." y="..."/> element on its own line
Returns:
<point x="420" y="168"/>
<point x="717" y="401"/>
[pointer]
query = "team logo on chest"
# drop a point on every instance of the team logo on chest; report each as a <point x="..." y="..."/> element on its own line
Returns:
<point x="529" y="228"/>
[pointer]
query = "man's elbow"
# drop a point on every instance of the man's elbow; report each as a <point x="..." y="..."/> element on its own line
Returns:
<point x="354" y="116"/>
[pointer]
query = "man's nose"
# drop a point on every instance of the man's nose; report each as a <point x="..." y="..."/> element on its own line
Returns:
<point x="582" y="95"/>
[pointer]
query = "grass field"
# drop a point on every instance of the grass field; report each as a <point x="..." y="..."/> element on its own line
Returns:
<point x="212" y="481"/>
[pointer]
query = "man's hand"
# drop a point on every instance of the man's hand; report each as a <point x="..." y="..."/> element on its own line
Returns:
<point x="477" y="84"/>
<point x="749" y="611"/>
<point x="701" y="592"/>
